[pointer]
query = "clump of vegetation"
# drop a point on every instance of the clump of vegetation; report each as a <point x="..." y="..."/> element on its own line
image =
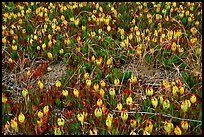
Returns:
<point x="120" y="68"/>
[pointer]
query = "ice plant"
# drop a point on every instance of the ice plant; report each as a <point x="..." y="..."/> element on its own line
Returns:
<point x="154" y="101"/>
<point x="76" y="92"/>
<point x="21" y="117"/>
<point x="65" y="93"/>
<point x="80" y="118"/>
<point x="40" y="84"/>
<point x="193" y="99"/>
<point x="40" y="114"/>
<point x="124" y="116"/>
<point x="46" y="109"/>
<point x="177" y="130"/>
<point x="129" y="100"/>
<point x="98" y="112"/>
<point x="119" y="106"/>
<point x="60" y="121"/>
<point x="99" y="102"/>
<point x="112" y="92"/>
<point x="149" y="91"/>
<point x="168" y="127"/>
<point x="166" y="104"/>
<point x="133" y="123"/>
<point x="14" y="124"/>
<point x="58" y="84"/>
<point x="184" y="125"/>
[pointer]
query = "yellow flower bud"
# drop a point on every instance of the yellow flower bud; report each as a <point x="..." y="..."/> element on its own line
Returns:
<point x="14" y="47"/>
<point x="40" y="84"/>
<point x="168" y="127"/>
<point x="14" y="124"/>
<point x="184" y="106"/>
<point x="4" y="98"/>
<point x="86" y="75"/>
<point x="58" y="84"/>
<point x="116" y="81"/>
<point x="80" y="117"/>
<point x="93" y="131"/>
<point x="61" y="51"/>
<point x="49" y="55"/>
<point x="133" y="79"/>
<point x="175" y="89"/>
<point x="181" y="90"/>
<point x="21" y="117"/>
<point x="119" y="106"/>
<point x="43" y="46"/>
<point x="166" y="104"/>
<point x="93" y="58"/>
<point x="24" y="92"/>
<point x="98" y="112"/>
<point x="60" y="121"/>
<point x="65" y="93"/>
<point x="146" y="132"/>
<point x="112" y="92"/>
<point x="46" y="109"/>
<point x="133" y="123"/>
<point x="129" y="100"/>
<point x="149" y="91"/>
<point x="149" y="126"/>
<point x="193" y="99"/>
<point x="99" y="102"/>
<point x="177" y="131"/>
<point x="124" y="116"/>
<point x="103" y="84"/>
<point x="109" y="61"/>
<point x="76" y="92"/>
<point x="40" y="114"/>
<point x="154" y="102"/>
<point x="96" y="87"/>
<point x="10" y="60"/>
<point x="57" y="131"/>
<point x="38" y="47"/>
<point x="109" y="123"/>
<point x="108" y="28"/>
<point x="184" y="125"/>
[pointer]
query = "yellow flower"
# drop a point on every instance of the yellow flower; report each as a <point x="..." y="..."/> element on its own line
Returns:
<point x="166" y="85"/>
<point x="86" y="75"/>
<point x="133" y="123"/>
<point x="177" y="131"/>
<point x="124" y="116"/>
<point x="149" y="91"/>
<point x="4" y="98"/>
<point x="57" y="131"/>
<point x="45" y="109"/>
<point x="149" y="126"/>
<point x="133" y="79"/>
<point x="166" y="104"/>
<point x="193" y="99"/>
<point x="58" y="84"/>
<point x="93" y="131"/>
<point x="184" y="106"/>
<point x="99" y="102"/>
<point x="21" y="117"/>
<point x="49" y="55"/>
<point x="14" y="47"/>
<point x="146" y="132"/>
<point x="93" y="58"/>
<point x="43" y="46"/>
<point x="24" y="92"/>
<point x="38" y="47"/>
<point x="98" y="112"/>
<point x="40" y="84"/>
<point x="154" y="102"/>
<point x="181" y="90"/>
<point x="133" y="132"/>
<point x="119" y="106"/>
<point x="65" y="93"/>
<point x="116" y="81"/>
<point x="40" y="114"/>
<point x="184" y="125"/>
<point x="110" y="116"/>
<point x="108" y="28"/>
<point x="80" y="117"/>
<point x="60" y="121"/>
<point x="76" y="92"/>
<point x="96" y="87"/>
<point x="88" y="82"/>
<point x="175" y="89"/>
<point x="129" y="100"/>
<point x="102" y="92"/>
<point x="112" y="92"/>
<point x="168" y="127"/>
<point x="103" y="84"/>
<point x="14" y="124"/>
<point x="61" y="51"/>
<point x="109" y="61"/>
<point x="109" y="123"/>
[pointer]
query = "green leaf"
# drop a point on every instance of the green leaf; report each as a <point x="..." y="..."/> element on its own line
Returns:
<point x="148" y="58"/>
<point x="184" y="20"/>
<point x="184" y="66"/>
<point x="88" y="67"/>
